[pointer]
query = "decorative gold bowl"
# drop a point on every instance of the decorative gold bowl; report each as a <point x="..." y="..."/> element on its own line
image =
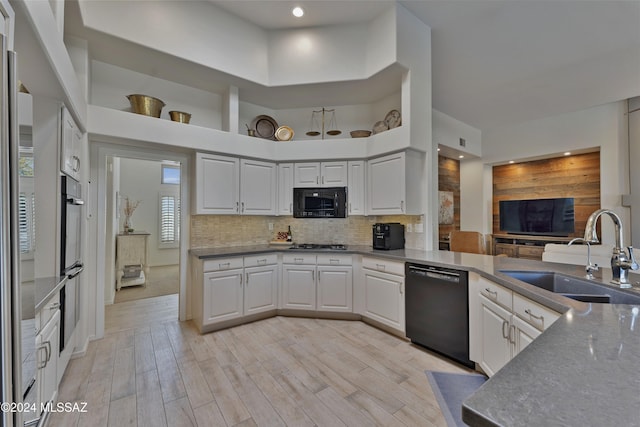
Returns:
<point x="146" y="105"/>
<point x="360" y="133"/>
<point x="180" y="116"/>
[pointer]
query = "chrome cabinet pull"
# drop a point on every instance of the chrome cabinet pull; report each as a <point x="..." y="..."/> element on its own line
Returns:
<point x="297" y="260"/>
<point x="381" y="267"/>
<point x="222" y="265"/>
<point x="505" y="332"/>
<point x="334" y="261"/>
<point x="402" y="205"/>
<point x="54" y="306"/>
<point x="242" y="206"/>
<point x="262" y="261"/>
<point x="247" y="280"/>
<point x="237" y="207"/>
<point x="540" y="318"/>
<point x="495" y="293"/>
<point x="512" y="340"/>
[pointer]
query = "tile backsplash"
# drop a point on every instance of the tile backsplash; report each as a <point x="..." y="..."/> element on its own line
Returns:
<point x="215" y="231"/>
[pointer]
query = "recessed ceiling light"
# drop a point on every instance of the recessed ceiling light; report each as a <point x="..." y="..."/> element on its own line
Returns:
<point x="297" y="11"/>
<point x="438" y="148"/>
<point x="461" y="156"/>
<point x="567" y="153"/>
<point x="511" y="161"/>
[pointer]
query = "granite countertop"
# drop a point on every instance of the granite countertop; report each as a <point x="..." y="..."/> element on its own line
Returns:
<point x="583" y="370"/>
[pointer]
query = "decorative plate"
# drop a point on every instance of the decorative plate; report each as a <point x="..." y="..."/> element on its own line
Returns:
<point x="284" y="133"/>
<point x="380" y="126"/>
<point x="393" y="119"/>
<point x="265" y="127"/>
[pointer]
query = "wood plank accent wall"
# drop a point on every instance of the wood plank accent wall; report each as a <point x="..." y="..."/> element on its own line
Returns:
<point x="449" y="180"/>
<point x="571" y="176"/>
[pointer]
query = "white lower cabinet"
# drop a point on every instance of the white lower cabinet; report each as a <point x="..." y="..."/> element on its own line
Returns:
<point x="384" y="292"/>
<point x="299" y="286"/>
<point x="47" y="347"/>
<point x="234" y="287"/>
<point x="223" y="296"/>
<point x="260" y="289"/>
<point x="502" y="323"/>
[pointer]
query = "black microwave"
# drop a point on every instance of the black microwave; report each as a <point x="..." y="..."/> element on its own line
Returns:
<point x="330" y="202"/>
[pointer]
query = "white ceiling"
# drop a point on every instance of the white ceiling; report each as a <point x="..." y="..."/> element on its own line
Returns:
<point x="494" y="62"/>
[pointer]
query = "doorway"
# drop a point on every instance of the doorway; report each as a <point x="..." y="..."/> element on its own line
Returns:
<point x="145" y="218"/>
<point x="105" y="219"/>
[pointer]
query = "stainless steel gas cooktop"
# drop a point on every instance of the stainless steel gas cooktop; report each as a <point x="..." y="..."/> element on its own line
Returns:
<point x="318" y="246"/>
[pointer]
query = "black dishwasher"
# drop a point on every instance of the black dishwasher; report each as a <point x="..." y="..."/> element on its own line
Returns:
<point x="437" y="310"/>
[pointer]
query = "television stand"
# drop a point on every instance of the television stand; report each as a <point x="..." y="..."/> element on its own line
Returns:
<point x="523" y="246"/>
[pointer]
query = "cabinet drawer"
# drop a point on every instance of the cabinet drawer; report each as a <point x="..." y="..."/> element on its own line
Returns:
<point x="259" y="260"/>
<point x="533" y="313"/>
<point x="386" y="266"/>
<point x="496" y="293"/>
<point x="534" y="252"/>
<point x="47" y="312"/>
<point x="222" y="264"/>
<point x="327" y="259"/>
<point x="298" y="259"/>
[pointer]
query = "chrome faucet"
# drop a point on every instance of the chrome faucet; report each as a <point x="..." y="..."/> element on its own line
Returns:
<point x="589" y="268"/>
<point x="620" y="263"/>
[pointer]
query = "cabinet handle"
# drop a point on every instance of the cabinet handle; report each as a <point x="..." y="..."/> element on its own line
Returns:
<point x="262" y="261"/>
<point x="402" y="205"/>
<point x="297" y="260"/>
<point x="401" y="288"/>
<point x="76" y="163"/>
<point x="42" y="362"/>
<point x="540" y="318"/>
<point x="323" y="179"/>
<point x="290" y="207"/>
<point x="490" y="292"/>
<point x="512" y="340"/>
<point x="317" y="179"/>
<point x="241" y="281"/>
<point x="349" y="207"/>
<point x="505" y="332"/>
<point x="334" y="261"/>
<point x="313" y="275"/>
<point x="222" y="265"/>
<point x="54" y="306"/>
<point x="318" y="276"/>
<point x="48" y="350"/>
<point x="242" y="206"/>
<point x="380" y="267"/>
<point x="247" y="280"/>
<point x="237" y="207"/>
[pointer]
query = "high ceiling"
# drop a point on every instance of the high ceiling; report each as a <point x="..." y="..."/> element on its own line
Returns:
<point x="494" y="62"/>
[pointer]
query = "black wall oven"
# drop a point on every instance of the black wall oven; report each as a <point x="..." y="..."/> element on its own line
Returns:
<point x="330" y="202"/>
<point x="70" y="256"/>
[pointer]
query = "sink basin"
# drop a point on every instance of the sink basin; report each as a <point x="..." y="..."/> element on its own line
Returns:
<point x="574" y="287"/>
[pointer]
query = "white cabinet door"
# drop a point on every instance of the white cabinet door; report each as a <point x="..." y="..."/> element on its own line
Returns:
<point x="384" y="298"/>
<point x="523" y="334"/>
<point x="258" y="182"/>
<point x="217" y="184"/>
<point x="333" y="174"/>
<point x="260" y="289"/>
<point x="356" y="191"/>
<point x="285" y="189"/>
<point x="299" y="287"/>
<point x="306" y="175"/>
<point x="387" y="188"/>
<point x="335" y="288"/>
<point x="223" y="296"/>
<point x="70" y="145"/>
<point x="47" y="345"/>
<point x="496" y="346"/>
<point x="314" y="174"/>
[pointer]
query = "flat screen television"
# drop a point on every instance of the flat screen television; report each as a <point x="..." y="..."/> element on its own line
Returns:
<point x="547" y="217"/>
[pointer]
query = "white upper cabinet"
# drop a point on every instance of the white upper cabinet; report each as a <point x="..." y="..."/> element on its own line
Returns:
<point x="70" y="145"/>
<point x="258" y="187"/>
<point x="228" y="185"/>
<point x="316" y="174"/>
<point x="217" y="184"/>
<point x="356" y="188"/>
<point x="285" y="189"/>
<point x="394" y="184"/>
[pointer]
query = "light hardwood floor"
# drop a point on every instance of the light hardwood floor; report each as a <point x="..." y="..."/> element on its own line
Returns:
<point x="152" y="370"/>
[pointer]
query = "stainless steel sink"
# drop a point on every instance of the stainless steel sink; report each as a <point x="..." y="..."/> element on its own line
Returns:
<point x="574" y="287"/>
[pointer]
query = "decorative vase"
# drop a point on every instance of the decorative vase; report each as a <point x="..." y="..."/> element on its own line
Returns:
<point x="127" y="224"/>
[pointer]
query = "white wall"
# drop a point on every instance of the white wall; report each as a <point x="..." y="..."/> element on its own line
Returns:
<point x="603" y="127"/>
<point x="447" y="131"/>
<point x="140" y="180"/>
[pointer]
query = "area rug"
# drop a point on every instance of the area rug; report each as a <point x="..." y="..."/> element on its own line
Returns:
<point x="451" y="390"/>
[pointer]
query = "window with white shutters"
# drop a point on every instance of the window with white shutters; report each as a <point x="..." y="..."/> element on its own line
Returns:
<point x="26" y="222"/>
<point x="169" y="221"/>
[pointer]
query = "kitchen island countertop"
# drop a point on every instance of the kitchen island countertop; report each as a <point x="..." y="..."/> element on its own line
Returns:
<point x="583" y="370"/>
